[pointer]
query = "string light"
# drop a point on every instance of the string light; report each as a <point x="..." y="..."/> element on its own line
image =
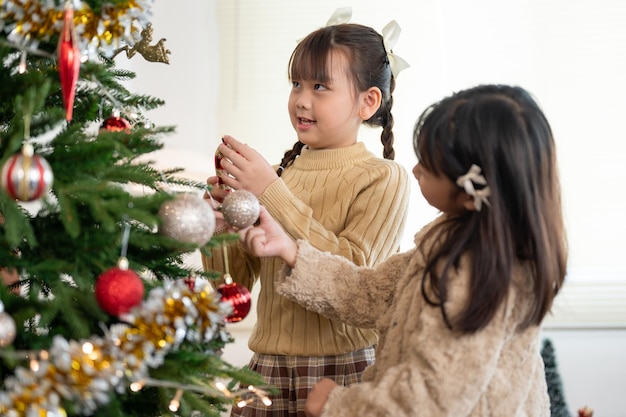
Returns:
<point x="222" y="388"/>
<point x="34" y="365"/>
<point x="175" y="403"/>
<point x="243" y="403"/>
<point x="136" y="386"/>
<point x="22" y="66"/>
<point x="87" y="348"/>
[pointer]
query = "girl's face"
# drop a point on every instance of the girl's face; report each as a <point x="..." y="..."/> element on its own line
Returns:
<point x="440" y="192"/>
<point x="326" y="115"/>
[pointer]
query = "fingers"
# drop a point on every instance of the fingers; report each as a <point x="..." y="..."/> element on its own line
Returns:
<point x="245" y="168"/>
<point x="235" y="145"/>
<point x="254" y="239"/>
<point x="231" y="163"/>
<point x="234" y="150"/>
<point x="217" y="194"/>
<point x="264" y="215"/>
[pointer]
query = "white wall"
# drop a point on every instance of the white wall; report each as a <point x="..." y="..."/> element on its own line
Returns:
<point x="227" y="74"/>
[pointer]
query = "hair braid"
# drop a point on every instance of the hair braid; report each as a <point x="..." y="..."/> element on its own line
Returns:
<point x="289" y="157"/>
<point x="387" y="136"/>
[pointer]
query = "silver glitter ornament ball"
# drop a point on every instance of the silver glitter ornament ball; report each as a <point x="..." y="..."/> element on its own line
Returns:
<point x="241" y="209"/>
<point x="7" y="329"/>
<point x="188" y="218"/>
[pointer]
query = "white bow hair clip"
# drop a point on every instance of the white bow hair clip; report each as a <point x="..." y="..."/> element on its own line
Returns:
<point x="467" y="182"/>
<point x="391" y="33"/>
<point x="341" y="15"/>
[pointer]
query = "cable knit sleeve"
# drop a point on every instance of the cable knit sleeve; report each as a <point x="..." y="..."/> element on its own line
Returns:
<point x="360" y="215"/>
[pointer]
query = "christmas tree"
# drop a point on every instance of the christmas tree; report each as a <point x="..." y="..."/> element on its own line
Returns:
<point x="99" y="314"/>
<point x="558" y="405"/>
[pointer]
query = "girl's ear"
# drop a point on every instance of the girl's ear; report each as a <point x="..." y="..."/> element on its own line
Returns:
<point x="467" y="201"/>
<point x="370" y="102"/>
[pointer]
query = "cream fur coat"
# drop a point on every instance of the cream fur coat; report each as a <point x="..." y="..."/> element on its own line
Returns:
<point x="422" y="368"/>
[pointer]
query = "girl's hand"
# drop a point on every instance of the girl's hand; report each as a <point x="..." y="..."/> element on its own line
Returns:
<point x="215" y="199"/>
<point x="318" y="396"/>
<point x="269" y="239"/>
<point x="244" y="167"/>
<point x="217" y="194"/>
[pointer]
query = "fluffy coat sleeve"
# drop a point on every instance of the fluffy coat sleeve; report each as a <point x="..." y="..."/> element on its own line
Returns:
<point x="422" y="367"/>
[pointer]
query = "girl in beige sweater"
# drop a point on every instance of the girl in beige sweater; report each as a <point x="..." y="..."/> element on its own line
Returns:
<point x="329" y="190"/>
<point x="459" y="315"/>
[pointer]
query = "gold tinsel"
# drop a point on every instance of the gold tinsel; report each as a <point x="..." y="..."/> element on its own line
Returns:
<point x="87" y="372"/>
<point x="28" y="21"/>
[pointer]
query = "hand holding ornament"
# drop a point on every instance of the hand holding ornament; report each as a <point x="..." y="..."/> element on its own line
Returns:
<point x="244" y="168"/>
<point x="214" y="198"/>
<point x="269" y="239"/>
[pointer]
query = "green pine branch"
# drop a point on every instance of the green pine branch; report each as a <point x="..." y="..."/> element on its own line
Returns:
<point x="104" y="184"/>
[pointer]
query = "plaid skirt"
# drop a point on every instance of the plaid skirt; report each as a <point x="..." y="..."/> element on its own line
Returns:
<point x="294" y="376"/>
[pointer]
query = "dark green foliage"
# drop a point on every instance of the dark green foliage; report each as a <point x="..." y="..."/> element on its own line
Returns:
<point x="558" y="405"/>
<point x="72" y="236"/>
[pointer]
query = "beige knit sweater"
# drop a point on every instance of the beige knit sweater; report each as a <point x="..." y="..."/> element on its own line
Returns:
<point x="345" y="201"/>
<point x="422" y="368"/>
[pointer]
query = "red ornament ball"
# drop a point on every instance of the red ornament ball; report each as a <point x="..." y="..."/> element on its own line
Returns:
<point x="239" y="298"/>
<point x="115" y="124"/>
<point x="118" y="290"/>
<point x="26" y="177"/>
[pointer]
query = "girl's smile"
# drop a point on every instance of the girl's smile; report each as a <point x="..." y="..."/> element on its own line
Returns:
<point x="304" y="123"/>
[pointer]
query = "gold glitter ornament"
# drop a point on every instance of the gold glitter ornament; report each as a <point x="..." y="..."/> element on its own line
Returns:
<point x="241" y="209"/>
<point x="151" y="53"/>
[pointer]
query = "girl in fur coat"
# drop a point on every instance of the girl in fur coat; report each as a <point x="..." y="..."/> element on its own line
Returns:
<point x="459" y="315"/>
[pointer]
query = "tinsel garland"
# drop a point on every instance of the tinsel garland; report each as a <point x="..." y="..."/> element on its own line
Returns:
<point x="27" y="22"/>
<point x="86" y="372"/>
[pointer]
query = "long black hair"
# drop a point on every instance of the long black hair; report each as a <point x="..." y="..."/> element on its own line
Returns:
<point x="502" y="130"/>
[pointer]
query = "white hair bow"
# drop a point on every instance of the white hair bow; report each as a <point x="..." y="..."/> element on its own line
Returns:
<point x="341" y="15"/>
<point x="468" y="180"/>
<point x="391" y="33"/>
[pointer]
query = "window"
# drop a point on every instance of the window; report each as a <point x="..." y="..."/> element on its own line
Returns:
<point x="570" y="54"/>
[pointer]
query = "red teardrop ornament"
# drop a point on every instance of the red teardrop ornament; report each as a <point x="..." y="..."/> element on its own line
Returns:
<point x="68" y="61"/>
<point x="238" y="296"/>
